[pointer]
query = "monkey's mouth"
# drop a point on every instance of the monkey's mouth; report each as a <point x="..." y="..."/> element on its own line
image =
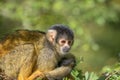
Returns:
<point x="64" y="52"/>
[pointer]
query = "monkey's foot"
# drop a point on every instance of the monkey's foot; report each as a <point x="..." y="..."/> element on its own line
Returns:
<point x="36" y="74"/>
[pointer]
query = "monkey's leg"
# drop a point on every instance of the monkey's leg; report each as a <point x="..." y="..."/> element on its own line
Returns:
<point x="25" y="71"/>
<point x="27" y="67"/>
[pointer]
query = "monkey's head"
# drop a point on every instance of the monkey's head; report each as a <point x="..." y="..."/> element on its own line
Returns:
<point x="61" y="37"/>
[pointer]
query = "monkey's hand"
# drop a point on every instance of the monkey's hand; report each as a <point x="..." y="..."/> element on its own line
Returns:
<point x="68" y="60"/>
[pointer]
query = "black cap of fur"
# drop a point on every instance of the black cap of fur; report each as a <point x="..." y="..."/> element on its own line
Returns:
<point x="61" y="30"/>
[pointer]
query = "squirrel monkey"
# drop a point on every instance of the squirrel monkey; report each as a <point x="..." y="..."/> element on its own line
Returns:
<point x="28" y="54"/>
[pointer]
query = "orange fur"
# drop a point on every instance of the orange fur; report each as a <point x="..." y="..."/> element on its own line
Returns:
<point x="19" y="37"/>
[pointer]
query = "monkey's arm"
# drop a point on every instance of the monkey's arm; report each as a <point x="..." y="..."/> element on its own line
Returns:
<point x="65" y="67"/>
<point x="59" y="73"/>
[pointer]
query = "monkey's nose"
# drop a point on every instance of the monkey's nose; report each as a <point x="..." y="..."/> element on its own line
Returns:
<point x="66" y="49"/>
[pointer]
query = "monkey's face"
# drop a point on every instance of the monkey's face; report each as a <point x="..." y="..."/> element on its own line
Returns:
<point x="64" y="45"/>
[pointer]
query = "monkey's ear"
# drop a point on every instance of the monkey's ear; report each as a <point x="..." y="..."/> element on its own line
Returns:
<point x="51" y="34"/>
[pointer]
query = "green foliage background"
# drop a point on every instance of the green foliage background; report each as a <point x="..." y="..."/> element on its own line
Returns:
<point x="94" y="22"/>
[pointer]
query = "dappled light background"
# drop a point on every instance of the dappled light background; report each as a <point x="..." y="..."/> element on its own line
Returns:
<point x="96" y="25"/>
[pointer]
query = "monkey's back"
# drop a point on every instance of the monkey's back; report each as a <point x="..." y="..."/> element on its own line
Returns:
<point x="20" y="37"/>
<point x="18" y="48"/>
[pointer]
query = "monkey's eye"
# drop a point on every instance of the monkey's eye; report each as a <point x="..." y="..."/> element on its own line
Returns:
<point x="63" y="41"/>
<point x="69" y="42"/>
